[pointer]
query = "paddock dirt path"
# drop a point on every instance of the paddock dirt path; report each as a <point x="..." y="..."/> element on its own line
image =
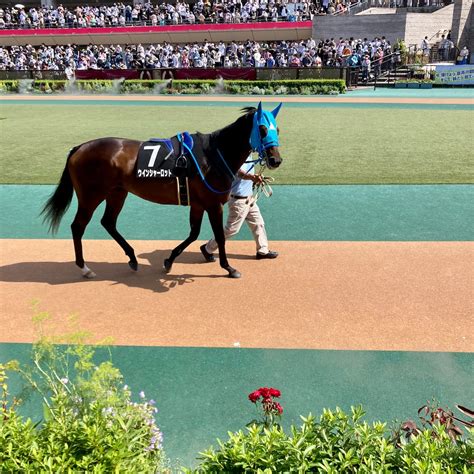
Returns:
<point x="343" y="99"/>
<point x="316" y="295"/>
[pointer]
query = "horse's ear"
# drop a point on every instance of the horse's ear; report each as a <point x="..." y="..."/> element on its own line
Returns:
<point x="259" y="111"/>
<point x="276" y="110"/>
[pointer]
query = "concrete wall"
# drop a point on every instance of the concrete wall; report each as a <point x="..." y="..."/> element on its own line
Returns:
<point x="360" y="26"/>
<point x="470" y="33"/>
<point x="419" y="25"/>
<point x="412" y="27"/>
<point x="463" y="26"/>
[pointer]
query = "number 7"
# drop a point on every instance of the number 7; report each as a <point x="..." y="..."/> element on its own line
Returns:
<point x="154" y="154"/>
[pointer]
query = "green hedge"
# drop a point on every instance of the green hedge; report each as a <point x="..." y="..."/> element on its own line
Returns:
<point x="282" y="87"/>
<point x="338" y="442"/>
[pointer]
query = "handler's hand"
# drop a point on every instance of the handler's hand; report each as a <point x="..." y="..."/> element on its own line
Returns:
<point x="258" y="179"/>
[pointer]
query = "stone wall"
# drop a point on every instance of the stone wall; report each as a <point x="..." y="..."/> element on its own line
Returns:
<point x="404" y="24"/>
<point x="463" y="25"/>
<point x="360" y="26"/>
<point x="419" y="25"/>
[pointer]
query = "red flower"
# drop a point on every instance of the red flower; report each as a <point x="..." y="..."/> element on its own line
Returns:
<point x="254" y="396"/>
<point x="278" y="407"/>
<point x="265" y="392"/>
<point x="275" y="392"/>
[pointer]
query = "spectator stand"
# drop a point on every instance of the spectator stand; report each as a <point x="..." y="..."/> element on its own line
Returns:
<point x="261" y="56"/>
<point x="162" y="14"/>
<point x="200" y="12"/>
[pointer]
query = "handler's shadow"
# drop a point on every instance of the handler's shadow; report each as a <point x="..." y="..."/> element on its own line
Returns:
<point x="157" y="257"/>
<point x="148" y="277"/>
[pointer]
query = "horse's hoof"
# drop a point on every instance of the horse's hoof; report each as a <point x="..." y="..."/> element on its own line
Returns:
<point x="133" y="265"/>
<point x="87" y="272"/>
<point x="234" y="274"/>
<point x="167" y="264"/>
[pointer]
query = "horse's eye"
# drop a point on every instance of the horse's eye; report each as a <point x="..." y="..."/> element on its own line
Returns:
<point x="263" y="131"/>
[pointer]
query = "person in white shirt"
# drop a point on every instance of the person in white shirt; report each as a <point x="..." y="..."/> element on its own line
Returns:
<point x="243" y="208"/>
<point x="442" y="47"/>
<point x="463" y="56"/>
<point x="425" y="48"/>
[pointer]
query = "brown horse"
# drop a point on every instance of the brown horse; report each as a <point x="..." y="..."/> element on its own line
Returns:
<point x="105" y="169"/>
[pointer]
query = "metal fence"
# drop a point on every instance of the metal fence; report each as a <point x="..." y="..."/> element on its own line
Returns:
<point x="18" y="75"/>
<point x="415" y="54"/>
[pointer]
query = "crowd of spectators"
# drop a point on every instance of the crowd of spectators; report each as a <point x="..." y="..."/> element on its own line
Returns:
<point x="408" y="3"/>
<point x="200" y="11"/>
<point x="181" y="12"/>
<point x="307" y="53"/>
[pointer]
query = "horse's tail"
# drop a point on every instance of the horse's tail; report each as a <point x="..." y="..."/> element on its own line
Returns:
<point x="59" y="202"/>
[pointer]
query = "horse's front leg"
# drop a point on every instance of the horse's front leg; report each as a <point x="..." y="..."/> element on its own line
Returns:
<point x="215" y="218"/>
<point x="195" y="220"/>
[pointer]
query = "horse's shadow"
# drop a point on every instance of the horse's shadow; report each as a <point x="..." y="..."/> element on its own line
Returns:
<point x="150" y="276"/>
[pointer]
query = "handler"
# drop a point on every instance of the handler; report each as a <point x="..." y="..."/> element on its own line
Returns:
<point x="243" y="207"/>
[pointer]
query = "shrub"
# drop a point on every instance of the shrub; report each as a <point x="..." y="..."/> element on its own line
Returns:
<point x="9" y="86"/>
<point x="304" y="86"/>
<point x="232" y="88"/>
<point x="89" y="420"/>
<point x="335" y="443"/>
<point x="281" y="90"/>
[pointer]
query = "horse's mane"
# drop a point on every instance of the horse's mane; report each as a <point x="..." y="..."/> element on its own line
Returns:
<point x="247" y="110"/>
<point x="208" y="140"/>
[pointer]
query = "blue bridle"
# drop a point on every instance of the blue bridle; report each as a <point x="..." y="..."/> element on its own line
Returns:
<point x="267" y="119"/>
<point x="257" y="143"/>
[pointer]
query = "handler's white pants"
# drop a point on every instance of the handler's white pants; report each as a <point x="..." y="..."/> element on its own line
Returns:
<point x="241" y="210"/>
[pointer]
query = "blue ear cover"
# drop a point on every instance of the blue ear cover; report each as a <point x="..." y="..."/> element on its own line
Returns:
<point x="276" y="110"/>
<point x="259" y="111"/>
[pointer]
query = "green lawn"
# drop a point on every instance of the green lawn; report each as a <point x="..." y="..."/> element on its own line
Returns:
<point x="320" y="145"/>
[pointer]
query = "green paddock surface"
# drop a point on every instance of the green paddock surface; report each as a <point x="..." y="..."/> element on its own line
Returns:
<point x="201" y="393"/>
<point x="322" y="144"/>
<point x="343" y="213"/>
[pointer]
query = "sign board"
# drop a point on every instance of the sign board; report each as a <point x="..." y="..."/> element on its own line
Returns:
<point x="462" y="75"/>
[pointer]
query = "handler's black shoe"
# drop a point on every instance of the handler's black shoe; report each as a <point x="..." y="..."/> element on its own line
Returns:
<point x="270" y="254"/>
<point x="208" y="256"/>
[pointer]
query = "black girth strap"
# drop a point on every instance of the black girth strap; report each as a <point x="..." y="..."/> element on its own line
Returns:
<point x="180" y="172"/>
<point x="183" y="191"/>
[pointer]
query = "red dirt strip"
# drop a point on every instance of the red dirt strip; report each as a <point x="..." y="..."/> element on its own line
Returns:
<point x="297" y="99"/>
<point x="317" y="295"/>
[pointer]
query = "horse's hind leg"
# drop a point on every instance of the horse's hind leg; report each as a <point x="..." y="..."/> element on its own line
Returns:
<point x="195" y="220"/>
<point x="78" y="226"/>
<point x="114" y="205"/>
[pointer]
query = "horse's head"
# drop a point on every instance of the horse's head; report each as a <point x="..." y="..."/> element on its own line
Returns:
<point x="264" y="136"/>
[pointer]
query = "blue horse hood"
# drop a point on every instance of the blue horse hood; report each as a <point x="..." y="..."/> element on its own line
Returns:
<point x="263" y="117"/>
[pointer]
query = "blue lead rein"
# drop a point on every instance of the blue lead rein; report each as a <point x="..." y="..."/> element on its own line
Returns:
<point x="201" y="173"/>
